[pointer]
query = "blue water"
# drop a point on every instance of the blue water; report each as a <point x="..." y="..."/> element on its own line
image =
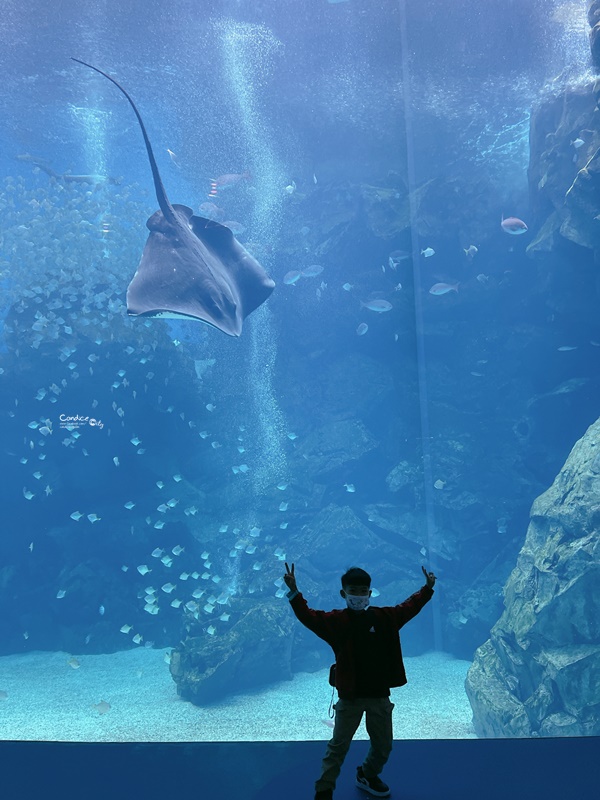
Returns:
<point x="347" y="117"/>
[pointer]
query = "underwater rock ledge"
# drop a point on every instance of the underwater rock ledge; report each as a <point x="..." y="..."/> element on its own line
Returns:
<point x="539" y="673"/>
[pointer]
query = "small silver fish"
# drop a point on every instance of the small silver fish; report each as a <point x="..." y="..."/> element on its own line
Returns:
<point x="379" y="306"/>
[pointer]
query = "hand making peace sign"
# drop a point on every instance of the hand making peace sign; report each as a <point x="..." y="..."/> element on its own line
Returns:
<point x="290" y="578"/>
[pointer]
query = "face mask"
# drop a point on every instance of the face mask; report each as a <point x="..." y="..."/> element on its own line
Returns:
<point x="357" y="603"/>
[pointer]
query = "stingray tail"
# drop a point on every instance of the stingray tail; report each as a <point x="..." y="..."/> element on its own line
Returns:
<point x="161" y="195"/>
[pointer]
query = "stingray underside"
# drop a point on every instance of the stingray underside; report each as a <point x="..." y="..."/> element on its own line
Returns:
<point x="194" y="268"/>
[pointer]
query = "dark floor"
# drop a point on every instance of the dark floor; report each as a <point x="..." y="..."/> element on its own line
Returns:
<point x="484" y="769"/>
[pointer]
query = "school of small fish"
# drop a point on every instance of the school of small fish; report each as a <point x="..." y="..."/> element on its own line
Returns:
<point x="76" y="319"/>
<point x="57" y="303"/>
<point x="396" y="258"/>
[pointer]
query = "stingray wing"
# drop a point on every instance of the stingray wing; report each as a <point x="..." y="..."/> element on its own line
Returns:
<point x="252" y="282"/>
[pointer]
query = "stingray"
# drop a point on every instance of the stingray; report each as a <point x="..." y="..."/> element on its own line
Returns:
<point x="191" y="267"/>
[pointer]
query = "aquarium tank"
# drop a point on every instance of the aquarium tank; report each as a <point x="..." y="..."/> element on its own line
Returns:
<point x="309" y="283"/>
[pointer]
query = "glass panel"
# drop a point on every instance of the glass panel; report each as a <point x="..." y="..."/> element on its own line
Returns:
<point x="419" y="181"/>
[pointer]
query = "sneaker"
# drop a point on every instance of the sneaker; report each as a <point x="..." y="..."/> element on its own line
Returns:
<point x="324" y="794"/>
<point x="374" y="786"/>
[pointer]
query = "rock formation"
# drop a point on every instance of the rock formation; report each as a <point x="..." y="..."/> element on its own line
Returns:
<point x="254" y="652"/>
<point x="539" y="673"/>
<point x="594" y="20"/>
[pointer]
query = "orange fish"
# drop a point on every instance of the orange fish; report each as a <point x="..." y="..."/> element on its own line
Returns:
<point x="226" y="181"/>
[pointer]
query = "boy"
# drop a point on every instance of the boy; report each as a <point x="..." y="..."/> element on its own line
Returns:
<point x="368" y="662"/>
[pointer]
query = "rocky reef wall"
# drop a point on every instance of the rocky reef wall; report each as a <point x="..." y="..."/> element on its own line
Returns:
<point x="539" y="672"/>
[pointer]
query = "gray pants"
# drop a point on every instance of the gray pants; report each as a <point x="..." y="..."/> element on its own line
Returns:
<point x="348" y="714"/>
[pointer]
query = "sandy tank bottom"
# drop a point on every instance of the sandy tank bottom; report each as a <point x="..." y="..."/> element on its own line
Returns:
<point x="130" y="697"/>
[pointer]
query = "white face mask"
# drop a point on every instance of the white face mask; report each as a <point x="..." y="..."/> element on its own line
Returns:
<point x="357" y="602"/>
